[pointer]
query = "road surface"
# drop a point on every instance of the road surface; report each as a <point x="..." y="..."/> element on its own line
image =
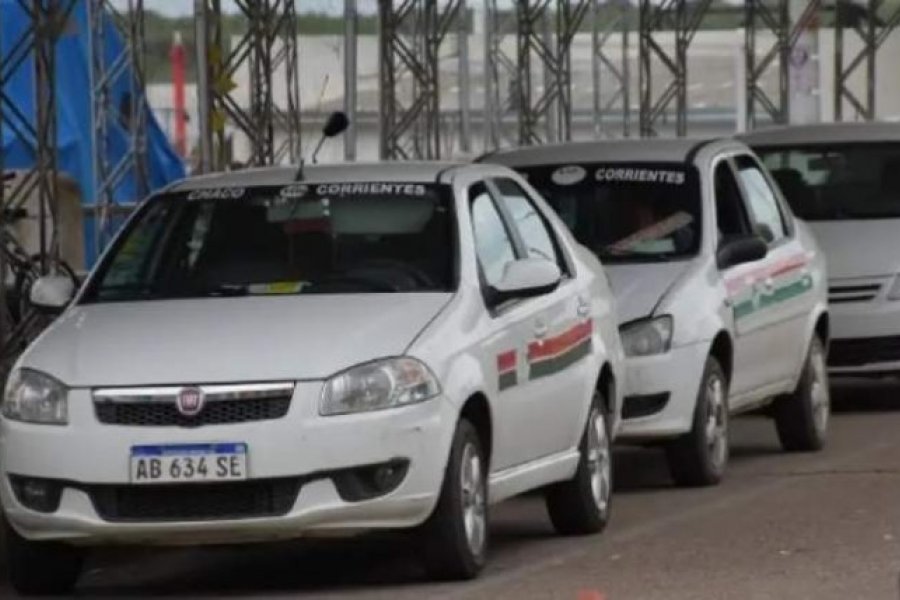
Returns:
<point x="816" y="526"/>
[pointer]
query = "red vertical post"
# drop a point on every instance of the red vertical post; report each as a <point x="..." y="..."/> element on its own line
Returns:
<point x="177" y="58"/>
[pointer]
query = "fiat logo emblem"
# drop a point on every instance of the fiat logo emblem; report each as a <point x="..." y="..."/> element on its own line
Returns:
<point x="190" y="401"/>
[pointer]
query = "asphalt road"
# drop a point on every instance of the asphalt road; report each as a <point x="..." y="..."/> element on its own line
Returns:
<point x="784" y="527"/>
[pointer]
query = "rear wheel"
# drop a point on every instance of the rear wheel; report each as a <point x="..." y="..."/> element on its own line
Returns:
<point x="801" y="418"/>
<point x="581" y="505"/>
<point x="41" y="568"/>
<point x="456" y="534"/>
<point x="699" y="458"/>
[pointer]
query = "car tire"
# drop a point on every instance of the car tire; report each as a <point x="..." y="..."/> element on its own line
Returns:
<point x="41" y="568"/>
<point x="801" y="418"/>
<point x="581" y="505"/>
<point x="699" y="458"/>
<point x="456" y="535"/>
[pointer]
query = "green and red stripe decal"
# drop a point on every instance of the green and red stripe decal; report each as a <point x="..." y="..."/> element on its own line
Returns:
<point x="507" y="363"/>
<point x="550" y="356"/>
<point x="745" y="304"/>
<point x="547" y="357"/>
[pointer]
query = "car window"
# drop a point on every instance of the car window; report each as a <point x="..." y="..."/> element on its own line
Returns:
<point x="731" y="214"/>
<point x="838" y="181"/>
<point x="492" y="241"/>
<point x="318" y="238"/>
<point x="765" y="214"/>
<point x="536" y="233"/>
<point x="625" y="212"/>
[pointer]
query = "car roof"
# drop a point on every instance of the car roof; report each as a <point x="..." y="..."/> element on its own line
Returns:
<point x="406" y="172"/>
<point x="823" y="133"/>
<point x="642" y="150"/>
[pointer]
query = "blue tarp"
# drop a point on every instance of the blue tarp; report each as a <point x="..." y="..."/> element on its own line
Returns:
<point x="73" y="98"/>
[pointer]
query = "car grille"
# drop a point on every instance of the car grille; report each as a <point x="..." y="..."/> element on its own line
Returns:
<point x="215" y="413"/>
<point x="861" y="292"/>
<point x="195" y="502"/>
<point x="158" y="407"/>
<point x="863" y="351"/>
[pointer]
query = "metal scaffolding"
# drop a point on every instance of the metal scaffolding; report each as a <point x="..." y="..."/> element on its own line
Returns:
<point x="412" y="32"/>
<point x="35" y="49"/>
<point x="773" y="20"/>
<point x="546" y="29"/>
<point x="681" y="19"/>
<point x="872" y="23"/>
<point x="132" y="113"/>
<point x="269" y="49"/>
<point x="605" y="69"/>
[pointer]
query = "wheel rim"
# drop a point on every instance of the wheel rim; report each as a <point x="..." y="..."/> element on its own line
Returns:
<point x="819" y="395"/>
<point x="474" y="499"/>
<point x="599" y="460"/>
<point x="716" y="422"/>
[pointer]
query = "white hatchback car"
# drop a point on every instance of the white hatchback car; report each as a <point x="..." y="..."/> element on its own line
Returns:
<point x="257" y="358"/>
<point x="720" y="291"/>
<point x="844" y="180"/>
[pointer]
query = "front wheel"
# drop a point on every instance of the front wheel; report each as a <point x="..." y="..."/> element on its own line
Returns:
<point x="456" y="534"/>
<point x="700" y="457"/>
<point x="41" y="568"/>
<point x="801" y="418"/>
<point x="581" y="505"/>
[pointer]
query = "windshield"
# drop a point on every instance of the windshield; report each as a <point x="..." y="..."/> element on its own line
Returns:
<point x="838" y="182"/>
<point x="317" y="238"/>
<point x="625" y="212"/>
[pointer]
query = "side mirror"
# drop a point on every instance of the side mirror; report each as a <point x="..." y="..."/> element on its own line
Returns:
<point x="740" y="250"/>
<point x="51" y="293"/>
<point x="336" y="124"/>
<point x="526" y="278"/>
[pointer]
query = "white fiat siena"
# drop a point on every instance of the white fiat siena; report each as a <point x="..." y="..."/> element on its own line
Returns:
<point x="720" y="291"/>
<point x="259" y="358"/>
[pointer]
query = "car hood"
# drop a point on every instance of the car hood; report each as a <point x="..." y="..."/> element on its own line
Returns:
<point x="216" y="340"/>
<point x="859" y="248"/>
<point x="638" y="288"/>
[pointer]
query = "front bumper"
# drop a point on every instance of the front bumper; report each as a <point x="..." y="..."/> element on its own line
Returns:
<point x="865" y="337"/>
<point x="302" y="447"/>
<point x="676" y="373"/>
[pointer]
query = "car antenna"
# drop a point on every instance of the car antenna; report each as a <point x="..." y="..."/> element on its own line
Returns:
<point x="335" y="125"/>
<point x="300" y="176"/>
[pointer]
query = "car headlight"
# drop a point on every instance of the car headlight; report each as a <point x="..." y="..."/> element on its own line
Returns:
<point x="35" y="397"/>
<point x="894" y="294"/>
<point x="647" y="337"/>
<point x="377" y="385"/>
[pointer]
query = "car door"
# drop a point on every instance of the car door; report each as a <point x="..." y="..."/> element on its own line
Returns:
<point x="503" y="343"/>
<point x="742" y="285"/>
<point x="558" y="334"/>
<point x="786" y="284"/>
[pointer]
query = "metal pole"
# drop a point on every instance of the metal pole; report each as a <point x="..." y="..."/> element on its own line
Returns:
<point x="626" y="72"/>
<point x="351" y="20"/>
<point x="465" y="82"/>
<point x="871" y="44"/>
<point x="201" y="43"/>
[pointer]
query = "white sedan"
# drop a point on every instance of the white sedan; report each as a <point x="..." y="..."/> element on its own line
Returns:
<point x="258" y="358"/>
<point x="720" y="290"/>
<point x="844" y="180"/>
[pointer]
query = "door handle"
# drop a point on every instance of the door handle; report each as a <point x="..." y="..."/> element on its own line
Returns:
<point x="768" y="285"/>
<point x="584" y="308"/>
<point x="540" y="329"/>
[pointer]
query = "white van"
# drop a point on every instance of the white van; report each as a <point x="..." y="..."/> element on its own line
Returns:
<point x="844" y="180"/>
